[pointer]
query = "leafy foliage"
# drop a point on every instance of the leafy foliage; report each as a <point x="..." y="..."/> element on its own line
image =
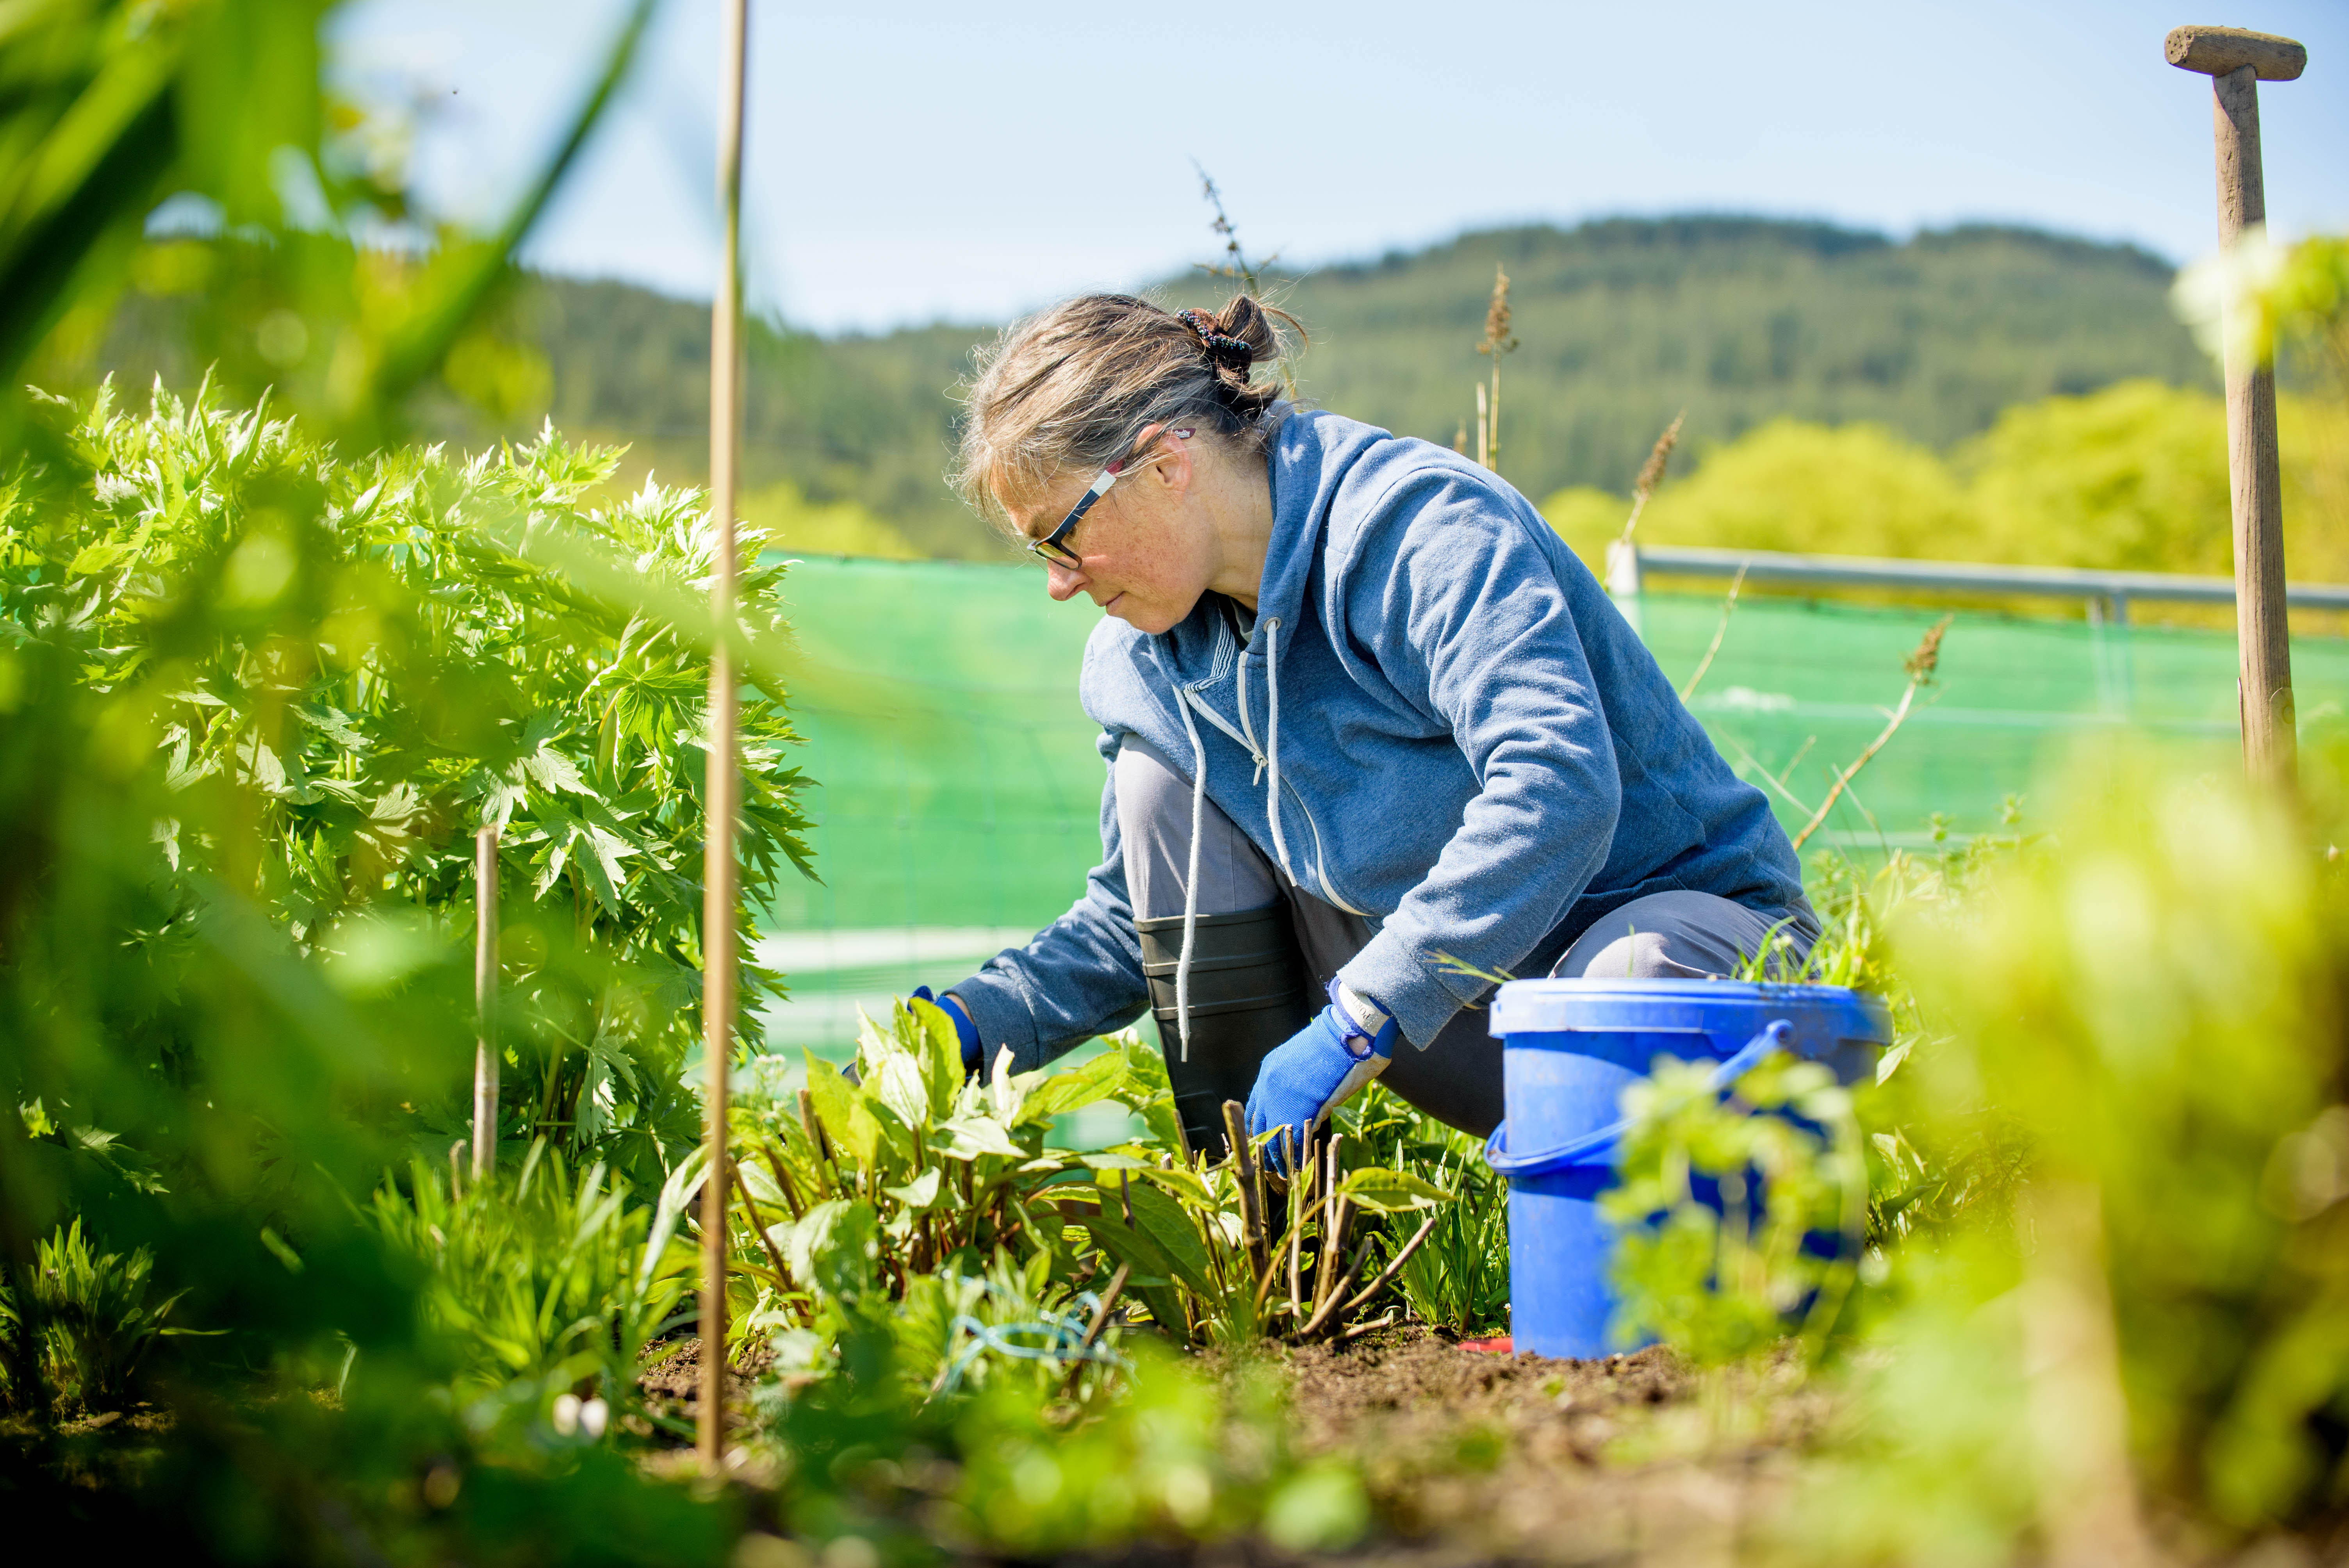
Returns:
<point x="1459" y="1277"/>
<point x="1720" y="1199"/>
<point x="1739" y="321"/>
<point x="252" y="698"/>
<point x="2127" y="478"/>
<point x="551" y="1282"/>
<point x="377" y="657"/>
<point x="96" y="1322"/>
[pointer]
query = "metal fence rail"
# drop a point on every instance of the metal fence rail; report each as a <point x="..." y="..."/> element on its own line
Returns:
<point x="2108" y="593"/>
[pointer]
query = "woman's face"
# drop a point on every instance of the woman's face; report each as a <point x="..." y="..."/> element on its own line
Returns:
<point x="1142" y="556"/>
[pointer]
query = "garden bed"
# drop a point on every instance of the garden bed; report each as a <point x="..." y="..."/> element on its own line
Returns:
<point x="1472" y="1456"/>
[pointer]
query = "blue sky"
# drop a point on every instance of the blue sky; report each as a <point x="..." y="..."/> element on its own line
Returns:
<point x="922" y="161"/>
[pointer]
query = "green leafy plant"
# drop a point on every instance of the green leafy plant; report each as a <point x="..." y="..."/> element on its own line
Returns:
<point x="866" y="1185"/>
<point x="1719" y="1199"/>
<point x="1458" y="1280"/>
<point x="2146" y="1329"/>
<point x="550" y="1282"/>
<point x="375" y="657"/>
<point x="97" y="1320"/>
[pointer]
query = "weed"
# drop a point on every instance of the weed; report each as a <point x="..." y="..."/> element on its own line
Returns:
<point x="1497" y="342"/>
<point x="547" y="1282"/>
<point x="96" y="1319"/>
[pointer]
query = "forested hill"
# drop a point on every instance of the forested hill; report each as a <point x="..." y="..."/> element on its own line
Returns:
<point x="1622" y="323"/>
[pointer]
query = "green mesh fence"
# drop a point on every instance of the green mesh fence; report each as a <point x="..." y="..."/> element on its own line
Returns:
<point x="960" y="791"/>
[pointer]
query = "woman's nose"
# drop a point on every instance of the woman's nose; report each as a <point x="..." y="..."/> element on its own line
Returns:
<point x="1062" y="582"/>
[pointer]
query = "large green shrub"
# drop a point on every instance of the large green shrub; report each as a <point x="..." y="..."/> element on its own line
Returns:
<point x="353" y="665"/>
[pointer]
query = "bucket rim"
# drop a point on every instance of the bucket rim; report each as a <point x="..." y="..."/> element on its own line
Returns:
<point x="1546" y="1007"/>
<point x="1692" y="990"/>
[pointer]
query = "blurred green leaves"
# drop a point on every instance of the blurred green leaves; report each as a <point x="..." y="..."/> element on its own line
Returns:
<point x="290" y="242"/>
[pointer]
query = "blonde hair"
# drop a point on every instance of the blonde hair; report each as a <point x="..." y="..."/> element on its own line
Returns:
<point x="1071" y="388"/>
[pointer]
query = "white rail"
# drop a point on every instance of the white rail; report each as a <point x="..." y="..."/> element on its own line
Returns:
<point x="2108" y="593"/>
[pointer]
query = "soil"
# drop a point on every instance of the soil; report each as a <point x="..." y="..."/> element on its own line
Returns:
<point x="1480" y="1457"/>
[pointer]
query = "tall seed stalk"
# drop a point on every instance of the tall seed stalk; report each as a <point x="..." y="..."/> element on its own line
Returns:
<point x="1920" y="666"/>
<point x="724" y="781"/>
<point x="1496" y="343"/>
<point x="1651" y="474"/>
<point x="1236" y="264"/>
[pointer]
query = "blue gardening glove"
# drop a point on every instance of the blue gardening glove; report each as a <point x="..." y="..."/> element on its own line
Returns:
<point x="1348" y="1044"/>
<point x="965" y="1030"/>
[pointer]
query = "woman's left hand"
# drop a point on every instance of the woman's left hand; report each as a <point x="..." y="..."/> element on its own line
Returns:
<point x="1314" y="1070"/>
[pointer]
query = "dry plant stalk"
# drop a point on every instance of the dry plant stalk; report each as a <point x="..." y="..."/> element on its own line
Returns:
<point x="1719" y="632"/>
<point x="1333" y="1221"/>
<point x="759" y="1227"/>
<point x="2088" y="1505"/>
<point x="1652" y="473"/>
<point x="783" y="1183"/>
<point x="1920" y="666"/>
<point x="1251" y="1185"/>
<point x="1369" y="1292"/>
<point x="1237" y="264"/>
<point x="1093" y="1328"/>
<point x="1496" y="343"/>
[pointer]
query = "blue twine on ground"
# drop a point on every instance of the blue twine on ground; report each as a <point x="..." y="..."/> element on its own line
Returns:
<point x="1062" y="1335"/>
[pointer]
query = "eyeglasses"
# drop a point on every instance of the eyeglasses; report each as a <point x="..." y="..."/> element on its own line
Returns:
<point x="1051" y="548"/>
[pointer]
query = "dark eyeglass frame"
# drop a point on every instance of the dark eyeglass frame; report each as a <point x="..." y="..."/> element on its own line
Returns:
<point x="1050" y="548"/>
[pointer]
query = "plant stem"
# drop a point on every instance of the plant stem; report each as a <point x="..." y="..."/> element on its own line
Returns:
<point x="759" y="1224"/>
<point x="1243" y="1169"/>
<point x="1094" y="1329"/>
<point x="1727" y="605"/>
<point x="1386" y="1275"/>
<point x="784" y="1182"/>
<point x="1900" y="717"/>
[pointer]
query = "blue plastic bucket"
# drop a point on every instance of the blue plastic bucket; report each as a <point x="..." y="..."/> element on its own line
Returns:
<point x="1570" y="1049"/>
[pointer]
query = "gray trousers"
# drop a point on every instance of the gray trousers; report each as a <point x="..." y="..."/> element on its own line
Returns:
<point x="1455" y="1077"/>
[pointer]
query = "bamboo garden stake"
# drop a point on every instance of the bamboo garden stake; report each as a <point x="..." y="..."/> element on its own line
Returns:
<point x="2237" y="61"/>
<point x="724" y="784"/>
<point x="485" y="1002"/>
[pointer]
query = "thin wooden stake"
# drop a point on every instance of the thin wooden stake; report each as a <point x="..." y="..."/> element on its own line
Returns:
<point x="722" y="791"/>
<point x="485" y="1002"/>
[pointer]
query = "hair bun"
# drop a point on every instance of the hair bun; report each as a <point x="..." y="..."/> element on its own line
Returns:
<point x="1224" y="351"/>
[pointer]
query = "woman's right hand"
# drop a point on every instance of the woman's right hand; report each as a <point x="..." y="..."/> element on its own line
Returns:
<point x="973" y="1053"/>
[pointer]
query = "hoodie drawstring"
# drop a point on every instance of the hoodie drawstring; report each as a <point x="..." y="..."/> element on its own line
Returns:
<point x="1269" y="765"/>
<point x="1272" y="744"/>
<point x="1191" y="878"/>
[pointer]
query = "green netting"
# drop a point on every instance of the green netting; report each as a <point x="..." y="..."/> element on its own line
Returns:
<point x="959" y="799"/>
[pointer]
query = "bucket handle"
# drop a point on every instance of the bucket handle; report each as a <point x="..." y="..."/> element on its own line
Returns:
<point x="1775" y="1036"/>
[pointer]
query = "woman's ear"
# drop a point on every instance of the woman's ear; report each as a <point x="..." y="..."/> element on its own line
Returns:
<point x="1171" y="460"/>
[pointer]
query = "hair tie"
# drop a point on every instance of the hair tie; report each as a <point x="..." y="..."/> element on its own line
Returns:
<point x="1223" y="351"/>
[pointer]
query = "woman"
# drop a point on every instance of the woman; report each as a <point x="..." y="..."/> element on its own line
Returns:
<point x="1372" y="734"/>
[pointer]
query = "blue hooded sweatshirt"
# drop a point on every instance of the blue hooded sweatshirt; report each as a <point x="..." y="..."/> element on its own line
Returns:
<point x="1465" y="741"/>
